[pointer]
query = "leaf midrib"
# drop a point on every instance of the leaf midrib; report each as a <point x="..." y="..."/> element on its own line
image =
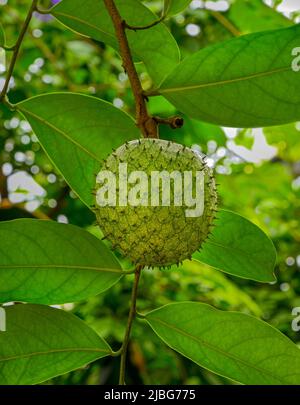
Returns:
<point x="223" y="82"/>
<point x="53" y="351"/>
<point x="64" y="134"/>
<point x="72" y="17"/>
<point x="243" y="252"/>
<point x="216" y="349"/>
<point x="71" y="267"/>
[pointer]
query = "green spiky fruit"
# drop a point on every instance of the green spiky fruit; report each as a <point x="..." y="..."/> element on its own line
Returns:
<point x="156" y="236"/>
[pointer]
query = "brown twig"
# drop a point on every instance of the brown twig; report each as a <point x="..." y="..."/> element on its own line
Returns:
<point x="16" y="49"/>
<point x="144" y="121"/>
<point x="173" y="122"/>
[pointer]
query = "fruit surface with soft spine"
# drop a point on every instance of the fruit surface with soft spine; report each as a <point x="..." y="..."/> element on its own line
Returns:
<point x="157" y="236"/>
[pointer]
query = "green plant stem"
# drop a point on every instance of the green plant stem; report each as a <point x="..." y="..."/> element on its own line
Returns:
<point x="131" y="316"/>
<point x="129" y="272"/>
<point x="226" y="23"/>
<point x="8" y="48"/>
<point x="16" y="49"/>
<point x="44" y="11"/>
<point x="6" y="102"/>
<point x="145" y="27"/>
<point x="153" y="24"/>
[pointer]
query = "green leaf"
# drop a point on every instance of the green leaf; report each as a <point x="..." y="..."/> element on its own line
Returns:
<point x="77" y="133"/>
<point x="173" y="7"/>
<point x="253" y="16"/>
<point x="244" y="82"/>
<point x="156" y="47"/>
<point x="41" y="343"/>
<point x="2" y="36"/>
<point x="45" y="262"/>
<point x="238" y="247"/>
<point x="230" y="344"/>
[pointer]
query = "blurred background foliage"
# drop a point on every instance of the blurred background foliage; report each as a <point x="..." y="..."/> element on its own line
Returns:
<point x="258" y="172"/>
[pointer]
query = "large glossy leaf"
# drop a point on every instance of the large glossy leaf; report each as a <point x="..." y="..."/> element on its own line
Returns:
<point x="238" y="247"/>
<point x="77" y="133"/>
<point x="155" y="47"/>
<point x="46" y="262"/>
<point x="244" y="82"/>
<point x="42" y="342"/>
<point x="230" y="344"/>
<point x="173" y="7"/>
